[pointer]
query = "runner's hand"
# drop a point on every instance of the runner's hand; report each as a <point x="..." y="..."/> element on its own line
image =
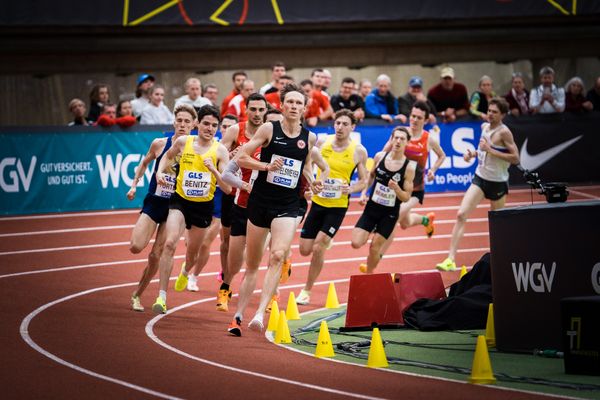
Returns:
<point x="392" y="184"/>
<point x="363" y="199"/>
<point x="208" y="163"/>
<point x="345" y="188"/>
<point x="430" y="175"/>
<point x="275" y="165"/>
<point x="317" y="186"/>
<point x="160" y="178"/>
<point x="484" y="145"/>
<point x="468" y="155"/>
<point x="131" y="194"/>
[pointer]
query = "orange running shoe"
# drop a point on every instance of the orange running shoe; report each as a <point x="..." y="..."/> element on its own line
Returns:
<point x="223" y="297"/>
<point x="286" y="271"/>
<point x="274" y="298"/>
<point x="429" y="228"/>
<point x="363" y="268"/>
<point x="235" y="327"/>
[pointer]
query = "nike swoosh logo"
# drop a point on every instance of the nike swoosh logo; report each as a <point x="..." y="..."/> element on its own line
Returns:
<point x="279" y="138"/>
<point x="533" y="162"/>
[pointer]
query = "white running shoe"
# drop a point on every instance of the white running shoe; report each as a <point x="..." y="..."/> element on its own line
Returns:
<point x="256" y="324"/>
<point x="303" y="298"/>
<point x="136" y="304"/>
<point x="192" y="284"/>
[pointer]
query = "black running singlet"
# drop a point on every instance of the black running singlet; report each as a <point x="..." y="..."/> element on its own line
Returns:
<point x="381" y="193"/>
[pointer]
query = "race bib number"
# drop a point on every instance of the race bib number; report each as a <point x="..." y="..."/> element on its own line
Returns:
<point x="384" y="195"/>
<point x="196" y="184"/>
<point x="286" y="176"/>
<point x="332" y="189"/>
<point x="166" y="190"/>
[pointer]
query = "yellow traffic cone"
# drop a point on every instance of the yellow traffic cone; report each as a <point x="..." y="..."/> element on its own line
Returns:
<point x="292" y="308"/>
<point x="482" y="368"/>
<point x="283" y="330"/>
<point x="463" y="271"/>
<point x="490" y="330"/>
<point x="324" y="346"/>
<point x="332" y="299"/>
<point x="274" y="317"/>
<point x="377" y="358"/>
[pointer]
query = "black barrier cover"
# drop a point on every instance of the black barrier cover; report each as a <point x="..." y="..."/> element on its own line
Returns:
<point x="238" y="12"/>
<point x="561" y="147"/>
<point x="539" y="255"/>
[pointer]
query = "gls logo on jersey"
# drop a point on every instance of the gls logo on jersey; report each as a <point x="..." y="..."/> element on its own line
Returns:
<point x="18" y="178"/>
<point x="533" y="275"/>
<point x="120" y="168"/>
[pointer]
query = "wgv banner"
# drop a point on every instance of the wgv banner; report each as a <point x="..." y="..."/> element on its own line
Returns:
<point x="53" y="172"/>
<point x="454" y="174"/>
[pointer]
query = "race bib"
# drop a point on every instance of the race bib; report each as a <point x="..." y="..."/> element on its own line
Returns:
<point x="332" y="189"/>
<point x="286" y="176"/>
<point x="384" y="195"/>
<point x="196" y="184"/>
<point x="481" y="157"/>
<point x="166" y="190"/>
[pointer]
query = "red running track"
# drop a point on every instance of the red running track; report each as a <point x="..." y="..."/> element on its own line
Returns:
<point x="68" y="331"/>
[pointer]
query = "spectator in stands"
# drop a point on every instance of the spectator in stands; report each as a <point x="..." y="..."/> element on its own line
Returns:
<point x="415" y="93"/>
<point x="156" y="113"/>
<point x="481" y="98"/>
<point x="593" y="95"/>
<point x="318" y="81"/>
<point x="273" y="114"/>
<point x="575" y="100"/>
<point x="277" y="71"/>
<point x="78" y="109"/>
<point x="346" y="99"/>
<point x="237" y="105"/>
<point x="326" y="80"/>
<point x="142" y="94"/>
<point x="125" y="117"/>
<point x="273" y="98"/>
<point x="518" y="96"/>
<point x="211" y="92"/>
<point x="108" y="117"/>
<point x="364" y="88"/>
<point x="227" y="121"/>
<point x="547" y="98"/>
<point x="99" y="95"/>
<point x="381" y="103"/>
<point x="449" y="97"/>
<point x="318" y="107"/>
<point x="238" y="79"/>
<point x="193" y="96"/>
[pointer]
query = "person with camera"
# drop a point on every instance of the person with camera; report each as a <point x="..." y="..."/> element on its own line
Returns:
<point x="547" y="98"/>
<point x="496" y="151"/>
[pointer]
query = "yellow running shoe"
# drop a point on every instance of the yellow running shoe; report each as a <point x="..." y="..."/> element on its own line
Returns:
<point x="159" y="307"/>
<point x="447" y="265"/>
<point x="223" y="297"/>
<point x="182" y="280"/>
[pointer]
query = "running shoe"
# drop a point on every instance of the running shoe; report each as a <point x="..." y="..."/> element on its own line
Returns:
<point x="447" y="265"/>
<point x="303" y="298"/>
<point x="159" y="307"/>
<point x="235" y="327"/>
<point x="363" y="268"/>
<point x="274" y="298"/>
<point x="182" y="280"/>
<point x="192" y="284"/>
<point x="286" y="271"/>
<point x="136" y="304"/>
<point x="256" y="324"/>
<point x="220" y="277"/>
<point x="429" y="228"/>
<point x="223" y="297"/>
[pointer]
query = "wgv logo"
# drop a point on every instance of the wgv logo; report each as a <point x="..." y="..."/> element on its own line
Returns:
<point x="15" y="177"/>
<point x="533" y="275"/>
<point x="120" y="168"/>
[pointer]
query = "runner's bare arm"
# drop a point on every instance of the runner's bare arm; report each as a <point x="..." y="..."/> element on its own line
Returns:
<point x="168" y="157"/>
<point x="360" y="158"/>
<point x="261" y="138"/>
<point x="155" y="148"/>
<point x="315" y="184"/>
<point x="512" y="156"/>
<point x="320" y="162"/>
<point x="439" y="152"/>
<point x="370" y="177"/>
<point x="229" y="137"/>
<point x="403" y="193"/>
<point x="222" y="159"/>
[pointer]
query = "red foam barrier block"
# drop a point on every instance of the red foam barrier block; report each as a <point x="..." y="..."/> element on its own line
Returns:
<point x="378" y="299"/>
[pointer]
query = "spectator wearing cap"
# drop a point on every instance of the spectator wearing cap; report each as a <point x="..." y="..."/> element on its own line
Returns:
<point x="156" y="113"/>
<point x="547" y="98"/>
<point x="211" y="92"/>
<point x="193" y="96"/>
<point x="78" y="109"/>
<point x="142" y="94"/>
<point x="449" y="97"/>
<point x="99" y="95"/>
<point x="381" y="103"/>
<point x="345" y="99"/>
<point x="593" y="95"/>
<point x="518" y="96"/>
<point x="415" y="93"/>
<point x="481" y="98"/>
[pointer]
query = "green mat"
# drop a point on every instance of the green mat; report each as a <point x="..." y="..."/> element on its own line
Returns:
<point x="446" y="354"/>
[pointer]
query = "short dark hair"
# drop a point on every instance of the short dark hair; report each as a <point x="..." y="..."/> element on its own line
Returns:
<point x="292" y="87"/>
<point x="306" y="82"/>
<point x="236" y="73"/>
<point x="421" y="105"/>
<point x="209" y="110"/>
<point x="402" y="129"/>
<point x="272" y="110"/>
<point x="316" y="70"/>
<point x="345" y="113"/>
<point x="348" y="80"/>
<point x="277" y="64"/>
<point x="109" y="104"/>
<point x="501" y="103"/>
<point x="231" y="116"/>
<point x="288" y="77"/>
<point x="256" y="97"/>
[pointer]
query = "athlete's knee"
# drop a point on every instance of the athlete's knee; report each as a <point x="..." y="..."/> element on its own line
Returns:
<point x="277" y="257"/>
<point x="305" y="249"/>
<point x="153" y="257"/>
<point x="461" y="216"/>
<point x="404" y="224"/>
<point x="135" y="247"/>
<point x="170" y="246"/>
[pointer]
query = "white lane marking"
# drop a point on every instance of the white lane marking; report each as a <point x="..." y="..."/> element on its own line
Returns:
<point x="587" y="195"/>
<point x="69" y="230"/>
<point x="24" y="330"/>
<point x="151" y="335"/>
